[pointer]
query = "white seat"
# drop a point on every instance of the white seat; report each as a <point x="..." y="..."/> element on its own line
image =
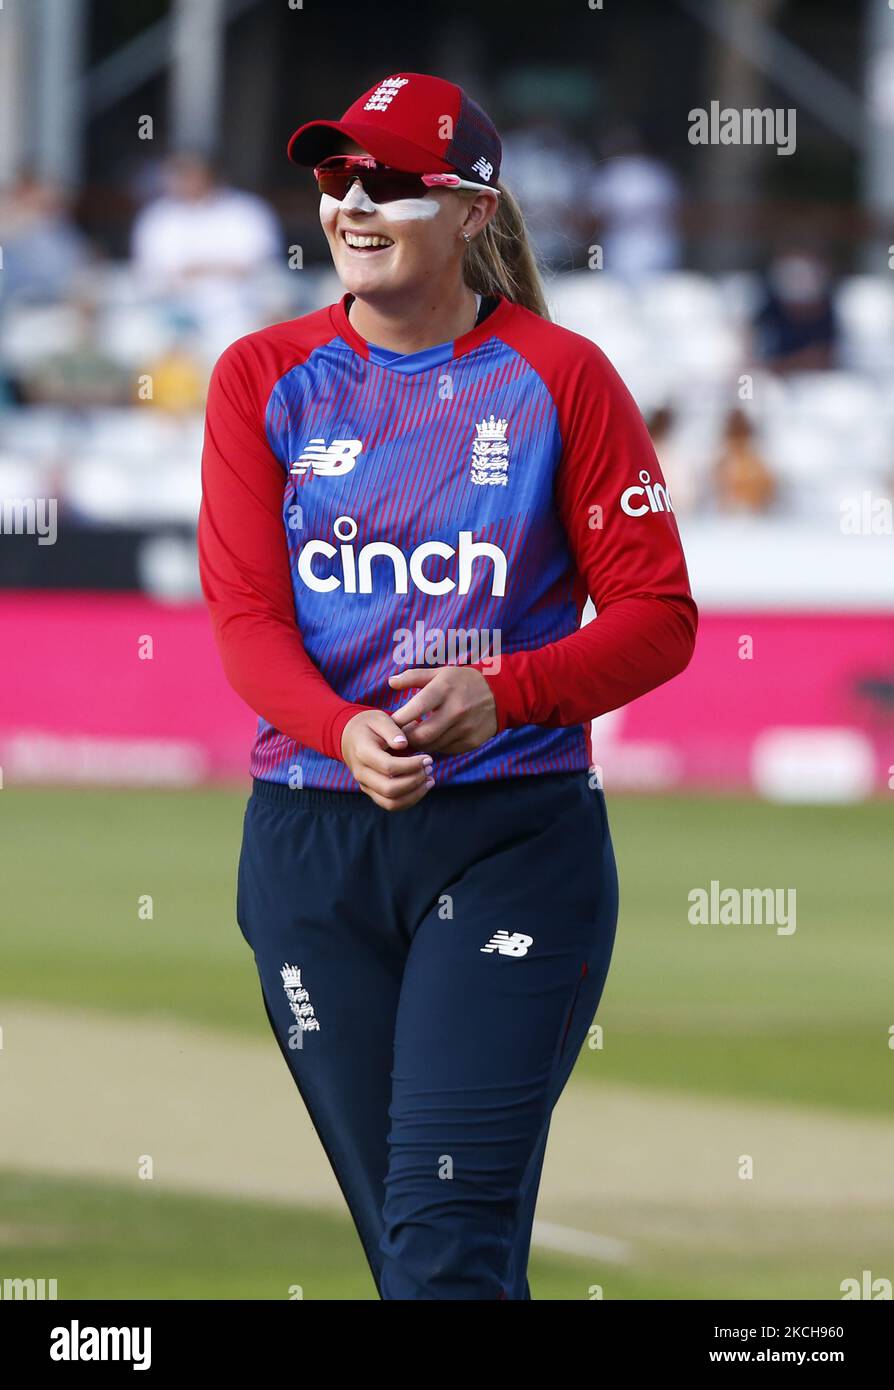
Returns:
<point x="38" y="431"/>
<point x="131" y="433"/>
<point x="29" y="332"/>
<point x="134" y="334"/>
<point x="585" y="301"/>
<point x="865" y="308"/>
<point x="712" y="353"/>
<point x="742" y="293"/>
<point x="21" y="477"/>
<point x="104" y="491"/>
<point x="837" y="400"/>
<point x="801" y="450"/>
<point x="680" y="300"/>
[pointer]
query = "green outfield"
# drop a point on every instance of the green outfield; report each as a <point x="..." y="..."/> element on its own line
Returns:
<point x="720" y="1044"/>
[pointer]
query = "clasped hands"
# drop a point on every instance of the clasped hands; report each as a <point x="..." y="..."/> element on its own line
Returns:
<point x="389" y="755"/>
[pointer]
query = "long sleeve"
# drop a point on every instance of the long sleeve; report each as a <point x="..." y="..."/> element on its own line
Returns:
<point x="610" y="496"/>
<point x="244" y="566"/>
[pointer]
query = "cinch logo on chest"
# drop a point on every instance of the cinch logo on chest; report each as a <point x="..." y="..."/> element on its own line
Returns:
<point x="357" y="569"/>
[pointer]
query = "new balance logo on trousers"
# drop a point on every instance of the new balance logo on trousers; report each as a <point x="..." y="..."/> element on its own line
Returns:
<point x="515" y="945"/>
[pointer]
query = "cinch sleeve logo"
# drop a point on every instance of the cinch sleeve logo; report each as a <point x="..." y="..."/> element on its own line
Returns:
<point x="657" y="495"/>
<point x="357" y="569"/>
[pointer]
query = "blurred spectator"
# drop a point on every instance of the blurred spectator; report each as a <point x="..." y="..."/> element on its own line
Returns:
<point x="635" y="200"/>
<point x="200" y="228"/>
<point x="796" y="328"/>
<point x="43" y="250"/>
<point x="742" y="482"/>
<point x="550" y="174"/>
<point x="80" y="375"/>
<point x="203" y="246"/>
<point x="675" y="462"/>
<point x="179" y="380"/>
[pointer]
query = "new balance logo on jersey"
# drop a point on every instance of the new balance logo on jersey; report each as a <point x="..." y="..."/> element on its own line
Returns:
<point x="515" y="945"/>
<point x="327" y="460"/>
<point x="490" y="453"/>
<point x="656" y="495"/>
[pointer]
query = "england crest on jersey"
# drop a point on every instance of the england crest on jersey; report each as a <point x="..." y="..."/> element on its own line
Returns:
<point x="490" y="452"/>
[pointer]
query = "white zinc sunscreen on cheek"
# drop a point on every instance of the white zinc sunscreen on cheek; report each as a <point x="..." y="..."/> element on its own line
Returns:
<point x="409" y="209"/>
<point x="328" y="211"/>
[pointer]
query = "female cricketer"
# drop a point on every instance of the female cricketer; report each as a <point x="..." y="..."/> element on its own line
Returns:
<point x="407" y="496"/>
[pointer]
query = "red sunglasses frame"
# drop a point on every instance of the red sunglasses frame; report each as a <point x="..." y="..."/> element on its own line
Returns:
<point x="347" y="162"/>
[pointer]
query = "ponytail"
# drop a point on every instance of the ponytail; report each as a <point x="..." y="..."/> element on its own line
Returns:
<point x="500" y="259"/>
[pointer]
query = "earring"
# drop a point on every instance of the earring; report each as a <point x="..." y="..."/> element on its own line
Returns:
<point x="466" y="237"/>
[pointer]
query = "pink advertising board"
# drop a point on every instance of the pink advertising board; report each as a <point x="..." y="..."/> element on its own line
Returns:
<point x="125" y="690"/>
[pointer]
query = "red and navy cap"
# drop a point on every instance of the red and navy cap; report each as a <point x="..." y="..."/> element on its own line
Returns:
<point x="413" y="122"/>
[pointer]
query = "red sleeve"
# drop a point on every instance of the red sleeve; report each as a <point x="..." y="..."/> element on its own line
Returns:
<point x="632" y="566"/>
<point x="244" y="566"/>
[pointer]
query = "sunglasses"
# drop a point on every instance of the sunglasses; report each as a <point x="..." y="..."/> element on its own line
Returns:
<point x="380" y="182"/>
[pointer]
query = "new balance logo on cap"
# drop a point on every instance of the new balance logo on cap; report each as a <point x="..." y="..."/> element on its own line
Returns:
<point x="515" y="945"/>
<point x="483" y="167"/>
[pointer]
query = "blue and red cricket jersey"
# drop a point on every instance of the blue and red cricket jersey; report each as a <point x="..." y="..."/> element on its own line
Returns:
<point x="365" y="511"/>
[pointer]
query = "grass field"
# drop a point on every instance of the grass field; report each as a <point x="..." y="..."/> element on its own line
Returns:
<point x="718" y="1041"/>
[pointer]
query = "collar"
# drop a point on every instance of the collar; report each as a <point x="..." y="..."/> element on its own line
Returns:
<point x="491" y="324"/>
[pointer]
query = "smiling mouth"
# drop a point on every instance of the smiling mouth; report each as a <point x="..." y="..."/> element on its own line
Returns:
<point x="365" y="244"/>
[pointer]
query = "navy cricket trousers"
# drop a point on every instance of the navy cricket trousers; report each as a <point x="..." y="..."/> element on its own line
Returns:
<point x="430" y="976"/>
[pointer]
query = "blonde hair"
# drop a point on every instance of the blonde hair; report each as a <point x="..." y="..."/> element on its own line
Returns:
<point x="500" y="259"/>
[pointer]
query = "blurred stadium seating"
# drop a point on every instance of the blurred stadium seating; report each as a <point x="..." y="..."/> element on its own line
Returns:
<point x="681" y="340"/>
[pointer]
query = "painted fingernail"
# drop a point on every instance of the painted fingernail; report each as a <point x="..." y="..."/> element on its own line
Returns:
<point x="427" y="760"/>
<point x="430" y="782"/>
